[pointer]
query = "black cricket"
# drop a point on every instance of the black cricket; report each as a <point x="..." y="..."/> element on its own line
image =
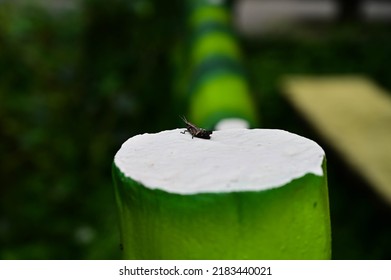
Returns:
<point x="196" y="131"/>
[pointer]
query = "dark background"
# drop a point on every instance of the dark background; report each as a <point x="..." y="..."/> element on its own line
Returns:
<point x="75" y="85"/>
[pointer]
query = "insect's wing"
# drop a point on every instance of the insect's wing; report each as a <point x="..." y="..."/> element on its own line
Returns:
<point x="193" y="130"/>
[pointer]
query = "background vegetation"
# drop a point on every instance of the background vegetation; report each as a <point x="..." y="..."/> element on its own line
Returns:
<point x="75" y="85"/>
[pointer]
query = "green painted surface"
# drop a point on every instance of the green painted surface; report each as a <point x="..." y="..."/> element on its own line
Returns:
<point x="225" y="95"/>
<point x="216" y="84"/>
<point x="290" y="222"/>
<point x="214" y="43"/>
<point x="205" y="13"/>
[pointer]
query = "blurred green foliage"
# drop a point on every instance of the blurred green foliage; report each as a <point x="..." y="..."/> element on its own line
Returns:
<point x="75" y="85"/>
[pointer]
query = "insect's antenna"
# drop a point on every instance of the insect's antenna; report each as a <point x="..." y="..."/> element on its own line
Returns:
<point x="184" y="119"/>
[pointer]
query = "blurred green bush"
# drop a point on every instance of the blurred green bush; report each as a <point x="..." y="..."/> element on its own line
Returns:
<point x="73" y="87"/>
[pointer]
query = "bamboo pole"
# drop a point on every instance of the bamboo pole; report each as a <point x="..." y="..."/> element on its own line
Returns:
<point x="218" y="86"/>
<point x="243" y="194"/>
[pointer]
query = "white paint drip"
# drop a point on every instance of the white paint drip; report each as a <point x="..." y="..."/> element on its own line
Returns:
<point x="232" y="160"/>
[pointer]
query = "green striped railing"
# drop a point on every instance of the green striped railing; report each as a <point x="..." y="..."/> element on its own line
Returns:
<point x="217" y="87"/>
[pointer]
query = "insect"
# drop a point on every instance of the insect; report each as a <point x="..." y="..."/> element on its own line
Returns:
<point x="196" y="131"/>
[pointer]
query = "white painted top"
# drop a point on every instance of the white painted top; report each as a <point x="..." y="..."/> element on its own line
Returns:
<point x="232" y="160"/>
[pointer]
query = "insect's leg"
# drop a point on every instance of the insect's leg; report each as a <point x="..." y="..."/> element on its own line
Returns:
<point x="183" y="132"/>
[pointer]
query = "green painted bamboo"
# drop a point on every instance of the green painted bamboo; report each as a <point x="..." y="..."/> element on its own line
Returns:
<point x="218" y="87"/>
<point x="243" y="194"/>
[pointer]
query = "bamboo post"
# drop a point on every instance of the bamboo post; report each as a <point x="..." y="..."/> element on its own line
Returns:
<point x="243" y="194"/>
<point x="218" y="87"/>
